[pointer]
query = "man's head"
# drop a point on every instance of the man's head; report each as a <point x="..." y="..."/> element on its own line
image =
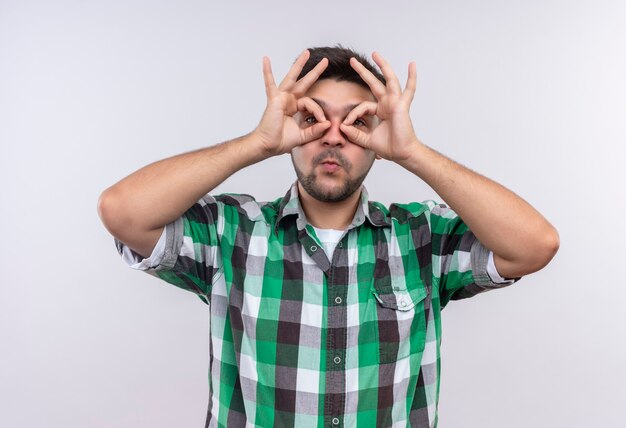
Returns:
<point x="332" y="168"/>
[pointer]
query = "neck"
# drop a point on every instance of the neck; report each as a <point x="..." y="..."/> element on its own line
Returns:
<point x="329" y="215"/>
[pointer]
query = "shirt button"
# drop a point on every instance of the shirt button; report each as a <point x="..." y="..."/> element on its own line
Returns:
<point x="340" y="245"/>
<point x="337" y="360"/>
<point x="337" y="300"/>
<point x="313" y="248"/>
<point x="335" y="421"/>
<point x="403" y="303"/>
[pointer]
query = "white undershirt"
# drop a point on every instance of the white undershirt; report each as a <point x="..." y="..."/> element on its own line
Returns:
<point x="329" y="239"/>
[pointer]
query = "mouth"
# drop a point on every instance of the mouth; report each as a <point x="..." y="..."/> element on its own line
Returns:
<point x="330" y="165"/>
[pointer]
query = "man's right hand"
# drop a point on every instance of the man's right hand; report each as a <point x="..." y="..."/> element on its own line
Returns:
<point x="278" y="132"/>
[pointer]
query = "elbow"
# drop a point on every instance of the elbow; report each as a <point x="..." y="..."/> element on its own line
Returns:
<point x="553" y="242"/>
<point x="546" y="249"/>
<point x="109" y="211"/>
<point x="534" y="256"/>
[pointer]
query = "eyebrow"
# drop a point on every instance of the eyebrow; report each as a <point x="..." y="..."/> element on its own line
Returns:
<point x="322" y="104"/>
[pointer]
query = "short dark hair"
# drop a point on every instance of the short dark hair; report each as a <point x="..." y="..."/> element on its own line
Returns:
<point x="339" y="67"/>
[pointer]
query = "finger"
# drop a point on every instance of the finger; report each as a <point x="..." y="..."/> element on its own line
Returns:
<point x="409" y="90"/>
<point x="268" y="77"/>
<point x="376" y="86"/>
<point x="314" y="132"/>
<point x="294" y="71"/>
<point x="307" y="104"/>
<point x="310" y="78"/>
<point x="364" y="109"/>
<point x="356" y="135"/>
<point x="392" y="80"/>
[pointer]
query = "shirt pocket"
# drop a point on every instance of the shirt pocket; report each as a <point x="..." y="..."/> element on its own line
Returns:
<point x="401" y="317"/>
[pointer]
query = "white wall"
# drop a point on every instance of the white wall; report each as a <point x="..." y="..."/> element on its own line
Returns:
<point x="531" y="94"/>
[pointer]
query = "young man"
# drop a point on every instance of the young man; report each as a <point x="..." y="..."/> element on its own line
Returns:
<point x="325" y="306"/>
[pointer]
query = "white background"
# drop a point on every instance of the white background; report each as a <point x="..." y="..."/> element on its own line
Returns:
<point x="531" y="94"/>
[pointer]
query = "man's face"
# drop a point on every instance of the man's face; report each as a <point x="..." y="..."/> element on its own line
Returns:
<point x="332" y="168"/>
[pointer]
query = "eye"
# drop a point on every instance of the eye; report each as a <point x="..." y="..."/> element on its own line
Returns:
<point x="310" y="120"/>
<point x="359" y="122"/>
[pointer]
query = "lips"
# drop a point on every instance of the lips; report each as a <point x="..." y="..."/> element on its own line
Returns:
<point x="331" y="160"/>
<point x="329" y="165"/>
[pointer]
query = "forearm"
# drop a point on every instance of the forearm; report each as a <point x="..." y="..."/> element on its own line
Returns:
<point x="522" y="240"/>
<point x="158" y="193"/>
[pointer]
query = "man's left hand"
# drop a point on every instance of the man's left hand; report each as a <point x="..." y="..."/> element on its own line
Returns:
<point x="394" y="138"/>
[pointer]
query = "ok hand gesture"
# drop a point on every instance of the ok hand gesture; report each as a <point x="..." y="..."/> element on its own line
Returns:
<point x="278" y="132"/>
<point x="394" y="138"/>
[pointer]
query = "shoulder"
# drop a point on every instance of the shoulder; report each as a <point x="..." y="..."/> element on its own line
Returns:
<point x="403" y="212"/>
<point x="246" y="206"/>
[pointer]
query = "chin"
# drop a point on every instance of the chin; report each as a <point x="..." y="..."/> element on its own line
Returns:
<point x="328" y="188"/>
<point x="330" y="193"/>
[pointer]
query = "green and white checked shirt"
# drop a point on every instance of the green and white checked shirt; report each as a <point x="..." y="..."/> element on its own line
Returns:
<point x="297" y="339"/>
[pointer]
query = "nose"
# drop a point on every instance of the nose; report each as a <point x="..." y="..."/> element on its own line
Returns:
<point x="333" y="136"/>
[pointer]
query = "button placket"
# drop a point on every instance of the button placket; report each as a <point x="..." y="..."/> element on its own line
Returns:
<point x="335" y="378"/>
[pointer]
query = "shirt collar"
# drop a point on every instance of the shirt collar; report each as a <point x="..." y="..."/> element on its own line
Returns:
<point x="367" y="210"/>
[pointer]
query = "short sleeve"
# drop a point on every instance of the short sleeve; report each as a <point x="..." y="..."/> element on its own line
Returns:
<point x="460" y="261"/>
<point x="493" y="271"/>
<point x="187" y="254"/>
<point x="136" y="261"/>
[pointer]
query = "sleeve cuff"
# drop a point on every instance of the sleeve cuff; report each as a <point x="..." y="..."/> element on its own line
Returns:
<point x="163" y="255"/>
<point x="484" y="275"/>
<point x="493" y="271"/>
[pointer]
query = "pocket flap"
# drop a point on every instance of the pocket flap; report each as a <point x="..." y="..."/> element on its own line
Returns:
<point x="400" y="299"/>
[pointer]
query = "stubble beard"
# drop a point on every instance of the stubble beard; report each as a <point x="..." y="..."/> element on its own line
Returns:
<point x="335" y="193"/>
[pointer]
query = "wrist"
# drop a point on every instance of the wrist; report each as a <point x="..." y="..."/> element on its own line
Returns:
<point x="256" y="147"/>
<point x="414" y="155"/>
<point x="244" y="151"/>
<point x="263" y="144"/>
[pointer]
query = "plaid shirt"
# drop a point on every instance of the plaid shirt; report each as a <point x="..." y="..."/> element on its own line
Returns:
<point x="297" y="339"/>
